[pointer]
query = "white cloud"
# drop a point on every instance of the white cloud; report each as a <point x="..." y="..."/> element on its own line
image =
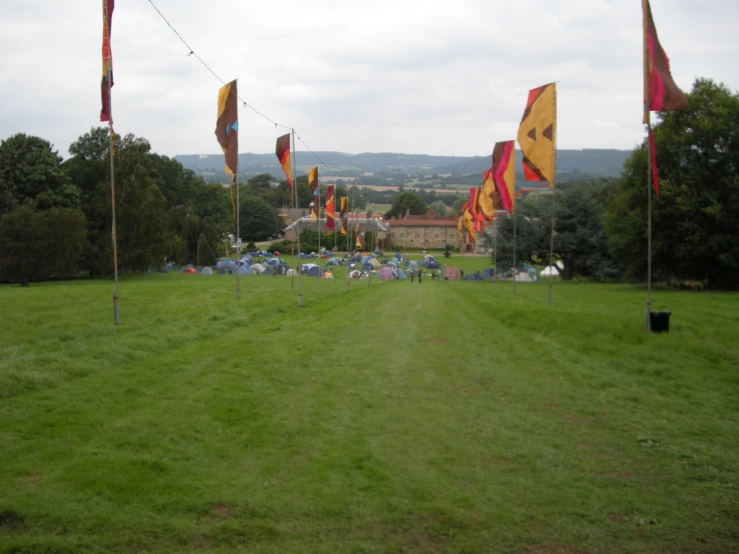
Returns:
<point x="420" y="76"/>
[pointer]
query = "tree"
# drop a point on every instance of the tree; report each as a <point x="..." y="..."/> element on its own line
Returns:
<point x="408" y="201"/>
<point x="258" y="219"/>
<point x="31" y="172"/>
<point x="439" y="208"/>
<point x="36" y="246"/>
<point x="696" y="220"/>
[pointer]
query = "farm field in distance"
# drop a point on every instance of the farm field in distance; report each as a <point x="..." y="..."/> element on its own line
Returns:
<point x="395" y="417"/>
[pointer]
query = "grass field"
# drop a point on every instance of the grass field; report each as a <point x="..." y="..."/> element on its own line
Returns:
<point x="440" y="417"/>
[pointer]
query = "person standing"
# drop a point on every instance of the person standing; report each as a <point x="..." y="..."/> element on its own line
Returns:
<point x="420" y="274"/>
<point x="412" y="275"/>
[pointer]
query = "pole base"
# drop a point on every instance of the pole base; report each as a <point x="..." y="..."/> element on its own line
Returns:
<point x="550" y="294"/>
<point x="238" y="293"/>
<point x="117" y="312"/>
<point x="300" y="300"/>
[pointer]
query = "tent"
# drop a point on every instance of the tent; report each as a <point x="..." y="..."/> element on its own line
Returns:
<point x="206" y="271"/>
<point x="291" y="272"/>
<point x="396" y="263"/>
<point x="242" y="270"/>
<point x="433" y="265"/>
<point x="549" y="271"/>
<point x="374" y="263"/>
<point x="275" y="262"/>
<point x="367" y="267"/>
<point x="189" y="266"/>
<point x="401" y="274"/>
<point x="256" y="269"/>
<point x="474" y="277"/>
<point x="223" y="271"/>
<point x="488" y="273"/>
<point x="269" y="270"/>
<point x="312" y="270"/>
<point x="189" y="271"/>
<point x="386" y="272"/>
<point x="428" y="258"/>
<point x="225" y="262"/>
<point x="399" y="256"/>
<point x="413" y="266"/>
<point x="334" y="261"/>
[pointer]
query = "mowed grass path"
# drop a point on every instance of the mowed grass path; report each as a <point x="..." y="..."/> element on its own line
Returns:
<point x="440" y="417"/>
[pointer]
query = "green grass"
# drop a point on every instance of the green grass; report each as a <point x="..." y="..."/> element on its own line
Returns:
<point x="441" y="417"/>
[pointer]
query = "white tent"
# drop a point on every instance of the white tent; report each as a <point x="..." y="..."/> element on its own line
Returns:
<point x="549" y="271"/>
<point x="206" y="271"/>
<point x="256" y="269"/>
<point x="291" y="272"/>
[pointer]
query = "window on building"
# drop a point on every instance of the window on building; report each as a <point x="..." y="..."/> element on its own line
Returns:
<point x="418" y="235"/>
<point x="436" y="236"/>
<point x="401" y="235"/>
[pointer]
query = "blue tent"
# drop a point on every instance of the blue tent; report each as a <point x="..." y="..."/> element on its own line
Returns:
<point x="488" y="273"/>
<point x="433" y="265"/>
<point x="401" y="274"/>
<point x="365" y="259"/>
<point x="313" y="270"/>
<point x="474" y="277"/>
<point x="399" y="256"/>
<point x="368" y="267"/>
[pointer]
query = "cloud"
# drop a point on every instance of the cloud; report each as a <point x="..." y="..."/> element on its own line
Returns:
<point x="414" y="76"/>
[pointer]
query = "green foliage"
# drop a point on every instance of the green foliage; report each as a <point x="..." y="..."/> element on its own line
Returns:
<point x="31" y="173"/>
<point x="37" y="246"/>
<point x="438" y="207"/>
<point x="696" y="220"/>
<point x="259" y="220"/>
<point x="408" y="201"/>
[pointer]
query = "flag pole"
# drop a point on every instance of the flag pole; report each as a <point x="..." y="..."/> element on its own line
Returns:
<point x="515" y="269"/>
<point x="297" y="207"/>
<point x="238" y="228"/>
<point x="554" y="203"/>
<point x="648" y="122"/>
<point x="109" y="69"/>
<point x="495" y="251"/>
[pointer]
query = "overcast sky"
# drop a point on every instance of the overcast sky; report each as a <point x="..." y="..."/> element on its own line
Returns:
<point x="446" y="77"/>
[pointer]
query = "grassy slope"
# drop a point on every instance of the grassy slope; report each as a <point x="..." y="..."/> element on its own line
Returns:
<point x="402" y="417"/>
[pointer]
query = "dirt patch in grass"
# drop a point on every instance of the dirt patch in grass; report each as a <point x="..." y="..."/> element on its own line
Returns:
<point x="11" y="521"/>
<point x="224" y="510"/>
<point x="615" y="518"/>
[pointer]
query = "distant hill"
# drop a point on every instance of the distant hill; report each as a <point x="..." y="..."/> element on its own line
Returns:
<point x="570" y="163"/>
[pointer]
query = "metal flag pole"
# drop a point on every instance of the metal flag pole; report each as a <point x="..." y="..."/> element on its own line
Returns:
<point x="320" y="273"/>
<point x="648" y="121"/>
<point x="116" y="311"/>
<point x="495" y="251"/>
<point x="295" y="191"/>
<point x="515" y="269"/>
<point x="554" y="203"/>
<point x="238" y="228"/>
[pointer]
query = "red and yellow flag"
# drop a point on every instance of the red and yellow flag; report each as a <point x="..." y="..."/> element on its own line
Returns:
<point x="468" y="222"/>
<point x="313" y="184"/>
<point x="227" y="126"/>
<point x="537" y="134"/>
<point x="460" y="232"/>
<point x="504" y="173"/>
<point x="330" y="206"/>
<point x="344" y="217"/>
<point x="360" y="241"/>
<point x="283" y="154"/>
<point x="107" y="82"/>
<point x="661" y="94"/>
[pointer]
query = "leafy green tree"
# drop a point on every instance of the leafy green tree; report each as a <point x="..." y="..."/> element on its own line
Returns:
<point x="36" y="246"/>
<point x="696" y="220"/>
<point x="408" y="201"/>
<point x="258" y="219"/>
<point x="439" y="208"/>
<point x="31" y="172"/>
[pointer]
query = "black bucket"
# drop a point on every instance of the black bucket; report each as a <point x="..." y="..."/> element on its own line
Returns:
<point x="659" y="322"/>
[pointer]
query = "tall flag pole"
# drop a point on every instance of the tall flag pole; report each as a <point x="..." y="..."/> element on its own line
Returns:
<point x="537" y="136"/>
<point x="227" y="133"/>
<point x="504" y="177"/>
<point x="297" y="207"/>
<point x="330" y="208"/>
<point x="660" y="94"/>
<point x="315" y="211"/>
<point x="106" y="114"/>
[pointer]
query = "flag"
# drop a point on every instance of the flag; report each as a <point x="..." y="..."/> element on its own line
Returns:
<point x="313" y="184"/>
<point x="661" y="94"/>
<point x="486" y="207"/>
<point x="460" y="232"/>
<point x="107" y="82"/>
<point x="360" y="240"/>
<point x="344" y="217"/>
<point x="653" y="154"/>
<point x="537" y="134"/>
<point x="283" y="154"/>
<point x="504" y="173"/>
<point x="468" y="222"/>
<point x="227" y="126"/>
<point x="330" y="208"/>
